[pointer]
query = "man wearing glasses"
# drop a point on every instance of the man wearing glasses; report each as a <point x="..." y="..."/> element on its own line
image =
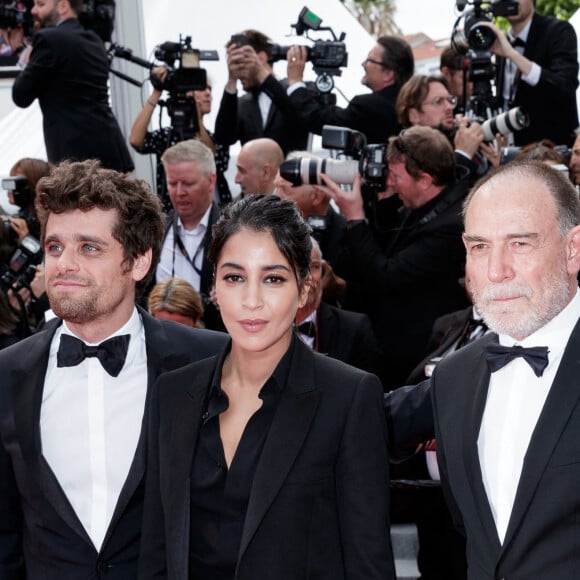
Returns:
<point x="426" y="100"/>
<point x="388" y="66"/>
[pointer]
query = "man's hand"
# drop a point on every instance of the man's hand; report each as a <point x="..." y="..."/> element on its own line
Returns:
<point x="296" y="57"/>
<point x="350" y="203"/>
<point x="20" y="226"/>
<point x="468" y="137"/>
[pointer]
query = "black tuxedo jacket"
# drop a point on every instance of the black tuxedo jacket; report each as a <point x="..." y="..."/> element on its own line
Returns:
<point x="349" y="337"/>
<point x="372" y="114"/>
<point x="409" y="278"/>
<point x="40" y="534"/>
<point x="542" y="535"/>
<point x="319" y="501"/>
<point x="240" y="119"/>
<point x="68" y="73"/>
<point x="551" y="104"/>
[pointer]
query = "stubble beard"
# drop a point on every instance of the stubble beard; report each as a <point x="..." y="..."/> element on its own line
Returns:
<point x="506" y="320"/>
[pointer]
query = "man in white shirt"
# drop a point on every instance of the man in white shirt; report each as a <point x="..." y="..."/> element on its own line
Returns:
<point x="507" y="407"/>
<point x="538" y="70"/>
<point x="190" y="171"/>
<point x="73" y="397"/>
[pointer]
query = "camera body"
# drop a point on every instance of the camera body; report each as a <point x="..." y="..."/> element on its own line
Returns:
<point x="327" y="56"/>
<point x="21" y="268"/>
<point x="184" y="75"/>
<point x="369" y="161"/>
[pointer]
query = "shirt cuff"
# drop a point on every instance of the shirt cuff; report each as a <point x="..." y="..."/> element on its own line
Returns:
<point x="295" y="86"/>
<point x="533" y="78"/>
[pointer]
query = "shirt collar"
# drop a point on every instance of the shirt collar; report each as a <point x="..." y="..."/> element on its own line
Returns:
<point x="523" y="35"/>
<point x="201" y="226"/>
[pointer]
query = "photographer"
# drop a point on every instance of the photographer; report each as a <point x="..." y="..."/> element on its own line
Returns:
<point x="538" y="70"/>
<point x="265" y="110"/>
<point x="409" y="278"/>
<point x="387" y="67"/>
<point x="68" y="72"/>
<point x="156" y="142"/>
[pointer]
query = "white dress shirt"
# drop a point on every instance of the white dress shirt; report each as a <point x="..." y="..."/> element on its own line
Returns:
<point x="172" y="261"/>
<point x="309" y="340"/>
<point x="514" y="402"/>
<point x="90" y="423"/>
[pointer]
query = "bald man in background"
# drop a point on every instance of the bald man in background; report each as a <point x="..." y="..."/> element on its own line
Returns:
<point x="258" y="164"/>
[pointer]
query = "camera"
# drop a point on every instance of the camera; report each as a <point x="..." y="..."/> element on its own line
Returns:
<point x="327" y="56"/>
<point x="480" y="38"/>
<point x="20" y="190"/>
<point x="369" y="161"/>
<point x="513" y="120"/>
<point x="14" y="13"/>
<point x="20" y="270"/>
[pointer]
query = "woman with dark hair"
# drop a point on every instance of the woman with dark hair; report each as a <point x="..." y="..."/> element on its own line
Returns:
<point x="270" y="460"/>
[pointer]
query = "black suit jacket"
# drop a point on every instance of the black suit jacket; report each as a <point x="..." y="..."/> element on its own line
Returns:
<point x="319" y="501"/>
<point x="40" y="534"/>
<point x="372" y="114"/>
<point x="409" y="279"/>
<point x="349" y="337"/>
<point x="240" y="118"/>
<point x="68" y="73"/>
<point x="542" y="535"/>
<point x="551" y="104"/>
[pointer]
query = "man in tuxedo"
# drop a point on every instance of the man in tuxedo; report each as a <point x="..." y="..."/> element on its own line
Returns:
<point x="73" y="396"/>
<point x="265" y="110"/>
<point x="506" y="407"/>
<point x="538" y="70"/>
<point x="346" y="336"/>
<point x="68" y="72"/>
<point x="190" y="171"/>
<point x="387" y="67"/>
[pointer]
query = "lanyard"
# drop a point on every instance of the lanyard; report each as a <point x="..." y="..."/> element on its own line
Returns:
<point x="177" y="241"/>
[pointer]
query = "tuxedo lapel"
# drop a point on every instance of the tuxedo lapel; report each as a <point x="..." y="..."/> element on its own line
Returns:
<point x="289" y="429"/>
<point x="561" y="402"/>
<point x="28" y="386"/>
<point x="471" y="426"/>
<point x="328" y="333"/>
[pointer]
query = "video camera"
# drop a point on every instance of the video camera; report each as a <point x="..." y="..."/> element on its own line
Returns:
<point x="14" y="13"/>
<point x="368" y="161"/>
<point x="327" y="56"/>
<point x="96" y="15"/>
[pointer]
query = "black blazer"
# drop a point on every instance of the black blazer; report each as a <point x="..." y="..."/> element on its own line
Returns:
<point x="373" y="114"/>
<point x="319" y="501"/>
<point x="239" y="118"/>
<point x="40" y="534"/>
<point x="349" y="337"/>
<point x="542" y="535"/>
<point x="68" y="73"/>
<point x="551" y="104"/>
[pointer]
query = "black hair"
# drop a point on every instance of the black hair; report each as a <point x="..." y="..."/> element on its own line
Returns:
<point x="267" y="213"/>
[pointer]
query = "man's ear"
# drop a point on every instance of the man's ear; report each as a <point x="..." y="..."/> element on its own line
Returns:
<point x="413" y="116"/>
<point x="141" y="265"/>
<point x="573" y="250"/>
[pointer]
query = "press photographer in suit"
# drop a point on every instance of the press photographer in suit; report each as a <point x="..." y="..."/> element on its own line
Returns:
<point x="68" y="72"/>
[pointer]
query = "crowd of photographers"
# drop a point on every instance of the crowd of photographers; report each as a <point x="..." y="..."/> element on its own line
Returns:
<point x="385" y="211"/>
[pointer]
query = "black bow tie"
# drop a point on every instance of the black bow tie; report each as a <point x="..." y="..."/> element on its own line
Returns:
<point x="111" y="353"/>
<point x="517" y="42"/>
<point x="307" y="329"/>
<point x="497" y="356"/>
